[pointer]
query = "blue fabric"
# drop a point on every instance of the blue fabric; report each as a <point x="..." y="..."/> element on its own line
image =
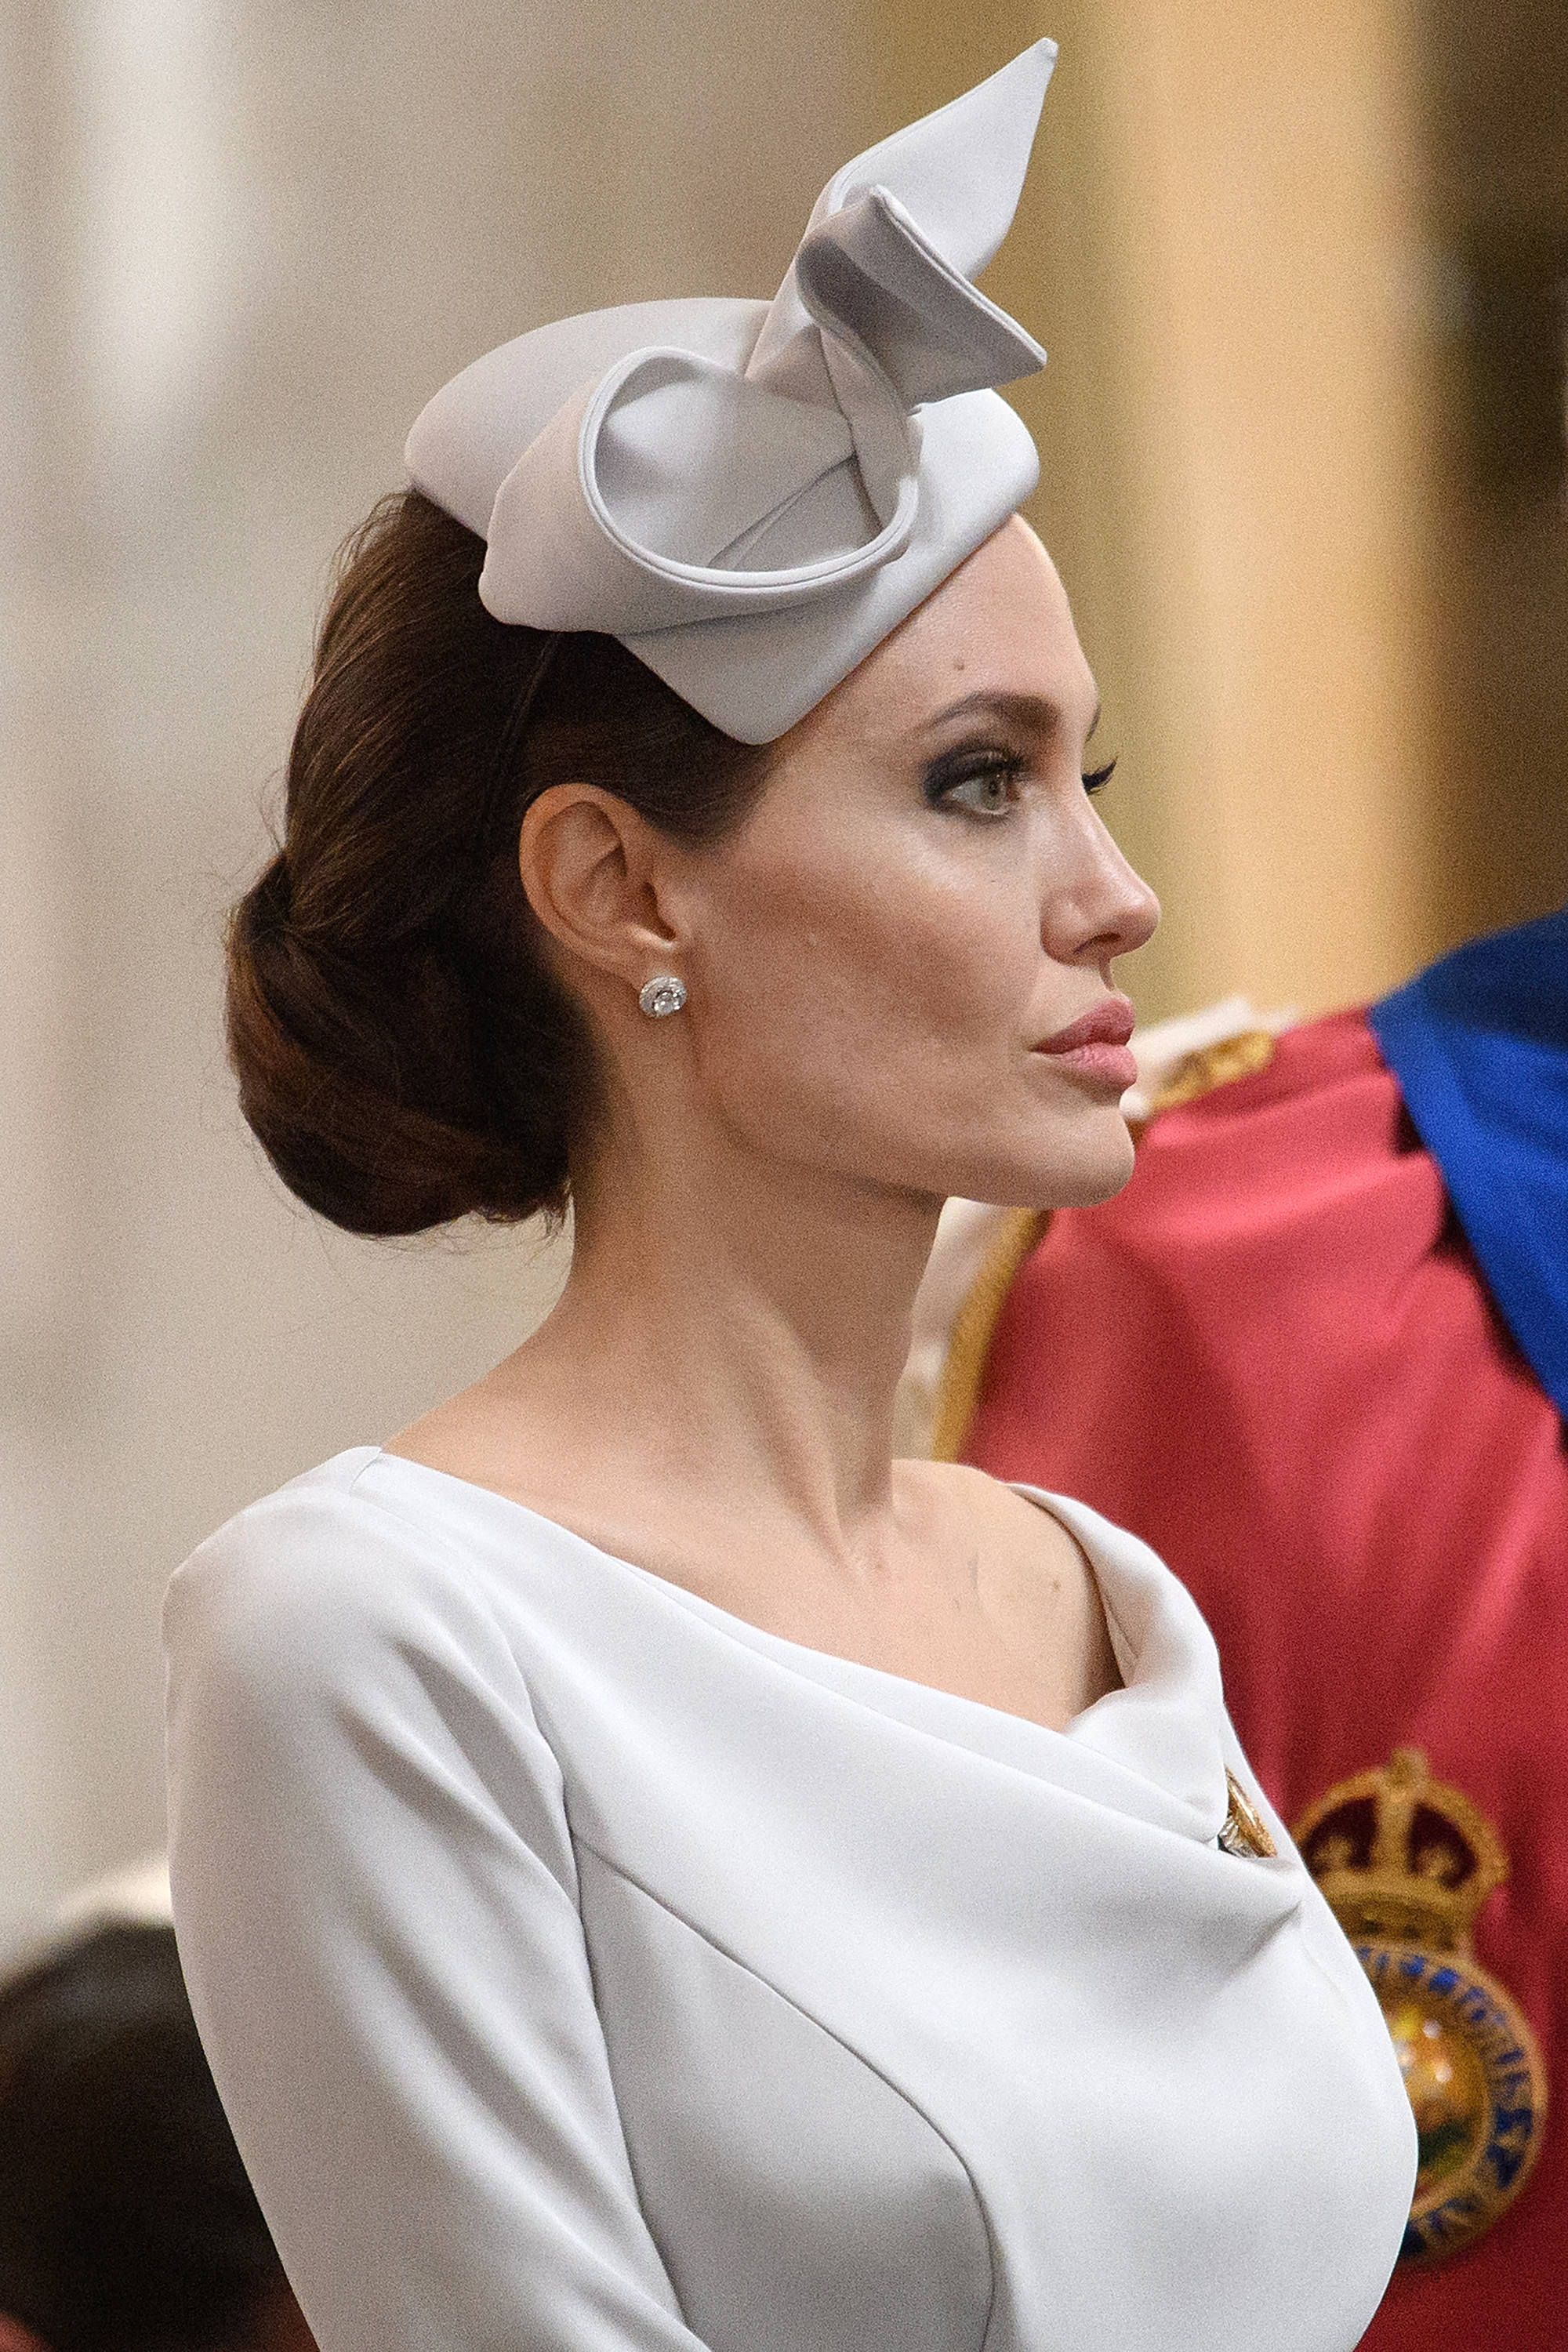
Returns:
<point x="1479" y="1046"/>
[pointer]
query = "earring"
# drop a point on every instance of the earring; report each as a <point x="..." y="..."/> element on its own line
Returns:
<point x="662" y="996"/>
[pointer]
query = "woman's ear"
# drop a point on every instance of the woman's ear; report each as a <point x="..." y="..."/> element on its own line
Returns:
<point x="590" y="867"/>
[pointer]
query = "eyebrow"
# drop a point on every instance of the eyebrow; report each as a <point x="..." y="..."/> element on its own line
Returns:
<point x="1031" y="711"/>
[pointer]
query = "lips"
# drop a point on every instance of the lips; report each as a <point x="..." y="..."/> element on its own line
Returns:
<point x="1108" y="1022"/>
<point x="1094" y="1047"/>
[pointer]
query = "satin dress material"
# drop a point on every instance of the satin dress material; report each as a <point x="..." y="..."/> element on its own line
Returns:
<point x="585" y="1969"/>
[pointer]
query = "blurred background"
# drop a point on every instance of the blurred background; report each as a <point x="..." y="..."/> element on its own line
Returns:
<point x="1302" y="273"/>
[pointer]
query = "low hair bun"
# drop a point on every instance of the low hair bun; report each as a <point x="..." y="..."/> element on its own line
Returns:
<point x="358" y="1084"/>
<point x="404" y="1055"/>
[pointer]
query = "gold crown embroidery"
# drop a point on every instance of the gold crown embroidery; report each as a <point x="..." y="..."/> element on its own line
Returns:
<point x="1405" y="1862"/>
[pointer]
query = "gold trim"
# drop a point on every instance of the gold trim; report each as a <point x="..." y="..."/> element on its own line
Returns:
<point x="963" y="1366"/>
<point x="1241" y="1056"/>
<point x="1245" y="1830"/>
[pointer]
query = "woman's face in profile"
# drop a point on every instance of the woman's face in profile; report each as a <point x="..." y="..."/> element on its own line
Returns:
<point x="885" y="953"/>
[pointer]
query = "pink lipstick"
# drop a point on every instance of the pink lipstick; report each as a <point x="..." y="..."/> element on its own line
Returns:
<point x="1094" y="1047"/>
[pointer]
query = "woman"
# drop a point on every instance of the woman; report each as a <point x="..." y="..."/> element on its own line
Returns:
<point x="653" y="1873"/>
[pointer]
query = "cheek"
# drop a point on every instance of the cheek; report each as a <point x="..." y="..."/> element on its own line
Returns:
<point x="846" y="980"/>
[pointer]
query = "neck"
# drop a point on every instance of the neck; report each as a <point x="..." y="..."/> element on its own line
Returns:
<point x="740" y="1326"/>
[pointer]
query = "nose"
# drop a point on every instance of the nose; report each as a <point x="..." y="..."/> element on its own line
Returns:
<point x="1101" y="907"/>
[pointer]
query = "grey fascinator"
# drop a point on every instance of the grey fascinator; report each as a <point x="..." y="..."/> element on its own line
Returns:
<point x="753" y="495"/>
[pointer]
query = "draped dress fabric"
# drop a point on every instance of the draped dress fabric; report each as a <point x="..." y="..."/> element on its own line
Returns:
<point x="585" y="1969"/>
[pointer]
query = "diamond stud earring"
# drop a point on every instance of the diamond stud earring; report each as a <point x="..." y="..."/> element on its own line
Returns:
<point x="662" y="996"/>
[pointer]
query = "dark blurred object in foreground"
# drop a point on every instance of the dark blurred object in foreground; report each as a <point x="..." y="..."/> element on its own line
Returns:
<point x="127" y="2223"/>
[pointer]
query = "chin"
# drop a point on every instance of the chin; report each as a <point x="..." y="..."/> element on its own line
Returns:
<point x="1070" y="1172"/>
<point x="1088" y="1191"/>
<point x="1081" y="1155"/>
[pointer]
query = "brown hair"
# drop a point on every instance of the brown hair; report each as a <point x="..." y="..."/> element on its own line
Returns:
<point x="404" y="1053"/>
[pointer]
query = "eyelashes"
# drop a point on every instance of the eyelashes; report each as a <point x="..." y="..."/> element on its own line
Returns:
<point x="984" y="782"/>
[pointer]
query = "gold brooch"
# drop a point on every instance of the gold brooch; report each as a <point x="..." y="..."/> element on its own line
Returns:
<point x="1405" y="1864"/>
<point x="1245" y="1830"/>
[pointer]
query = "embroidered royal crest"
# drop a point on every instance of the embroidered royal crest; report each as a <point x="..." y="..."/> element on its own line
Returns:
<point x="1405" y="1862"/>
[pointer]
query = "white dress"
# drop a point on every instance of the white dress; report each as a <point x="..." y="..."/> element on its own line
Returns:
<point x="585" y="1970"/>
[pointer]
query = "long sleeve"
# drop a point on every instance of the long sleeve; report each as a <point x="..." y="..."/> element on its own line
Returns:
<point x="376" y="1896"/>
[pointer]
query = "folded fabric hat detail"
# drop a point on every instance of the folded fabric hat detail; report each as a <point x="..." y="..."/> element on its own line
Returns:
<point x="751" y="496"/>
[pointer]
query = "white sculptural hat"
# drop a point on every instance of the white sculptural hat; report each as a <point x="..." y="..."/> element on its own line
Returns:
<point x="751" y="496"/>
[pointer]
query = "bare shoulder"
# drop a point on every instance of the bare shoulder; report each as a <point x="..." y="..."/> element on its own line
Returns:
<point x="960" y="1501"/>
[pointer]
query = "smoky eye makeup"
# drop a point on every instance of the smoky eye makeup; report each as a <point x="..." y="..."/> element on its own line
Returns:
<point x="982" y="777"/>
<point x="984" y="773"/>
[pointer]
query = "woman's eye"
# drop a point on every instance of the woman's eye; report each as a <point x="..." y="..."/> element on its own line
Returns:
<point x="987" y="789"/>
<point x="1097" y="778"/>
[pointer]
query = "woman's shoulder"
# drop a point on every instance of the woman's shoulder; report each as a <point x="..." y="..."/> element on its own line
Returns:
<point x="308" y="1530"/>
<point x="1037" y="1532"/>
<point x="335" y="1565"/>
<point x="338" y="1669"/>
<point x="1028" y="1518"/>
